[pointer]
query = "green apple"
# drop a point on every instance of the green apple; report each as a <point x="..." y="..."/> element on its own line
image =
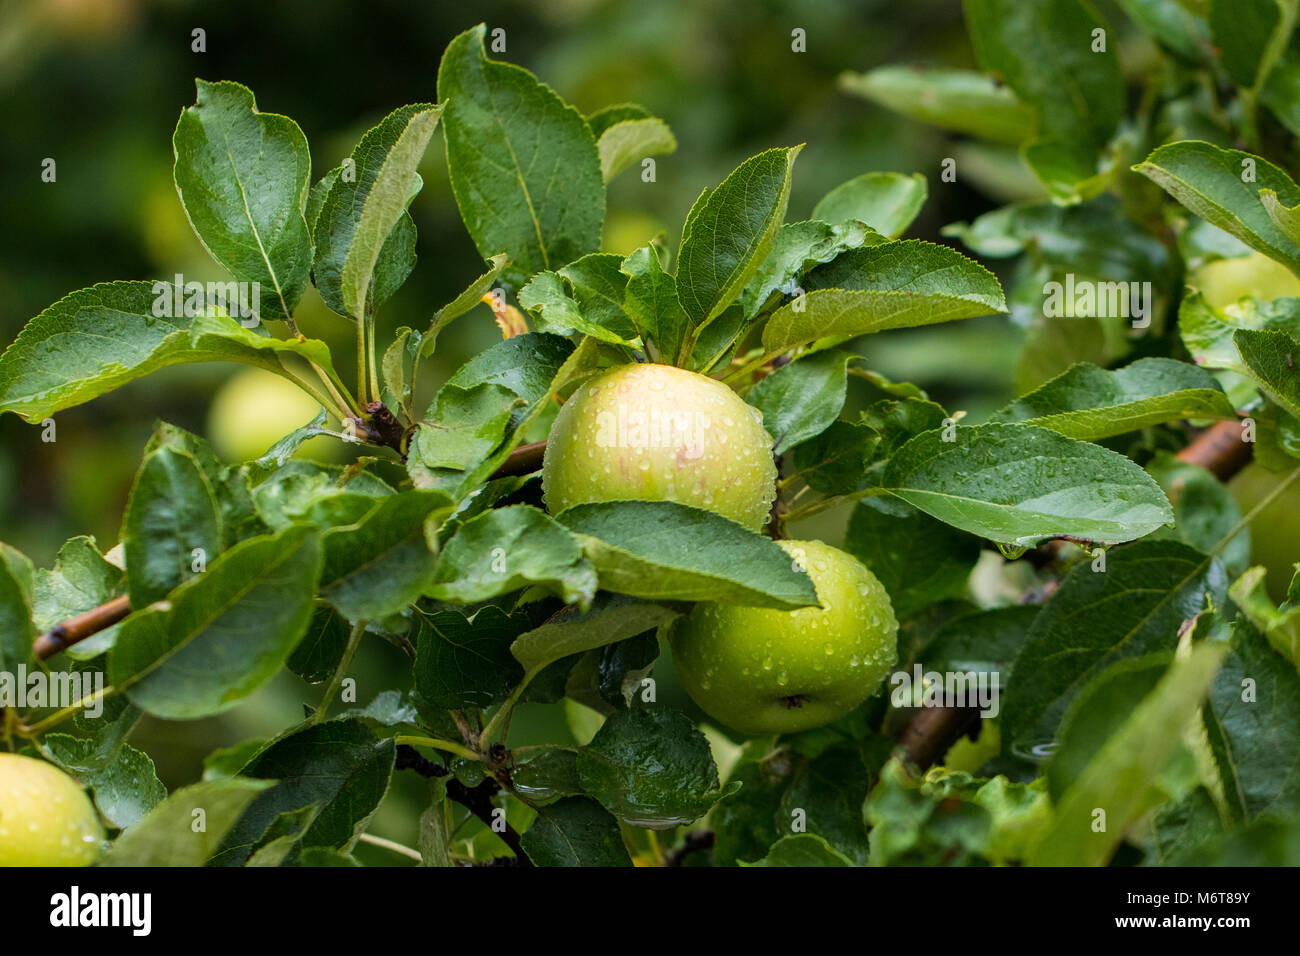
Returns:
<point x="46" y="819"/>
<point x="764" y="671"/>
<point x="254" y="409"/>
<point x="658" y="433"/>
<point x="1224" y="281"/>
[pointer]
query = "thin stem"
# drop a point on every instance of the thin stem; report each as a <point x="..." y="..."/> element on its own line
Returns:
<point x="354" y="640"/>
<point x="494" y="726"/>
<point x="58" y="717"/>
<point x="370" y="351"/>
<point x="1254" y="512"/>
<point x="437" y="744"/>
<point x="390" y="845"/>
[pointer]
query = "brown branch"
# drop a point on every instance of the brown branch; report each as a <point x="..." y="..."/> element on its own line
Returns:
<point x="77" y="629"/>
<point x="927" y="737"/>
<point x="523" y="460"/>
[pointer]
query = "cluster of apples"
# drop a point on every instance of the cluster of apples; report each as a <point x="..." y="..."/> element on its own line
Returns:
<point x="660" y="433"/>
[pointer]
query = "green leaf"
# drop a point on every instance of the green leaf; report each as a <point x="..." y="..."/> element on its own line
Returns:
<point x="123" y="780"/>
<point x="890" y="286"/>
<point x="836" y="462"/>
<point x="1205" y="510"/>
<point x="612" y="618"/>
<point x="650" y="301"/>
<point x="1119" y="778"/>
<point x="80" y="580"/>
<point x="887" y="202"/>
<point x="321" y="495"/>
<point x="628" y="141"/>
<point x="1045" y="53"/>
<point x="1135" y="607"/>
<point x="798" y="247"/>
<point x="800" y="400"/>
<point x="382" y="563"/>
<point x="1018" y="485"/>
<point x="963" y="101"/>
<point x="507" y="549"/>
<point x="170" y="834"/>
<point x="362" y="209"/>
<point x="651" y="768"/>
<point x="172" y="525"/>
<point x="243" y="177"/>
<point x="221" y="635"/>
<point x="321" y="649"/>
<point x="1173" y="24"/>
<point x="1089" y="403"/>
<point x="982" y="641"/>
<point x="1223" y="187"/>
<point x="524" y="166"/>
<point x="464" y="426"/>
<point x="663" y="550"/>
<point x="458" y="306"/>
<point x="465" y="662"/>
<point x="919" y="560"/>
<point x="1270" y="358"/>
<point x="1250" y="719"/>
<point x="585" y="296"/>
<point x="802" y="850"/>
<point x="728" y="233"/>
<point x="340" y="766"/>
<point x="575" y="832"/>
<point x="548" y="775"/>
<point x="1249" y="35"/>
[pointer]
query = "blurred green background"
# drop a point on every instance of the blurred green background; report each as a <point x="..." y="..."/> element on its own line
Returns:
<point x="97" y="85"/>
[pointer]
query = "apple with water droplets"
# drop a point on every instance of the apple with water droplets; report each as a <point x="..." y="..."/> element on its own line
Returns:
<point x="766" y="671"/>
<point x="659" y="433"/>
<point x="46" y="819"/>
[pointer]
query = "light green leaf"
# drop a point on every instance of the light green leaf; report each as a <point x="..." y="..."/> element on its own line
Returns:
<point x="243" y="177"/>
<point x="168" y="837"/>
<point x="612" y="618"/>
<point x="1119" y="778"/>
<point x="1223" y="186"/>
<point x="798" y="247"/>
<point x="800" y="400"/>
<point x="887" y="202"/>
<point x="221" y="635"/>
<point x="361" y="210"/>
<point x="663" y="550"/>
<point x="1270" y="359"/>
<point x="628" y="141"/>
<point x="650" y="301"/>
<point x="802" y="850"/>
<point x="506" y="549"/>
<point x="1089" y="403"/>
<point x="729" y="231"/>
<point x="524" y="166"/>
<point x="895" y="285"/>
<point x="17" y="582"/>
<point x="964" y="101"/>
<point x="1018" y="485"/>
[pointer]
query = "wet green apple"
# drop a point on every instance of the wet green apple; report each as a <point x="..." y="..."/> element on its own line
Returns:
<point x="658" y="433"/>
<point x="761" y="670"/>
<point x="46" y="819"/>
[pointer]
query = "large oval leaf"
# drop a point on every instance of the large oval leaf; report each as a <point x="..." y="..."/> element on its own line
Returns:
<point x="221" y="635"/>
<point x="663" y="550"/>
<point x="1018" y="485"/>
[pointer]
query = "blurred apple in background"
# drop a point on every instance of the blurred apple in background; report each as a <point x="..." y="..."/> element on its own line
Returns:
<point x="255" y="408"/>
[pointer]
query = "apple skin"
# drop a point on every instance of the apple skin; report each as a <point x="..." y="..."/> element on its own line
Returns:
<point x="254" y="409"/>
<point x="659" y="433"/>
<point x="765" y="671"/>
<point x="1224" y="281"/>
<point x="46" y="819"/>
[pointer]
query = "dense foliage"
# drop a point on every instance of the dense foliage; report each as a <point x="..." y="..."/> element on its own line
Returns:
<point x="1070" y="550"/>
